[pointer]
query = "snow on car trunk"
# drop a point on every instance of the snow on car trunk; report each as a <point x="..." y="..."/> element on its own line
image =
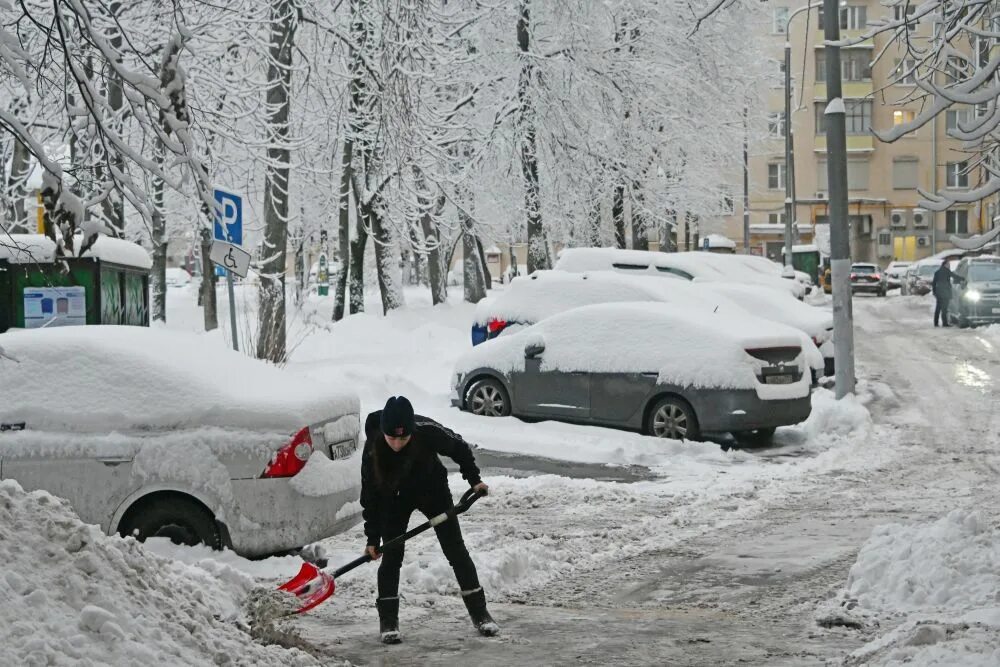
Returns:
<point x="101" y="378"/>
<point x="72" y="595"/>
<point x="686" y="347"/>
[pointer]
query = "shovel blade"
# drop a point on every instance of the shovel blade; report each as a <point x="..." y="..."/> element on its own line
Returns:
<point x="311" y="585"/>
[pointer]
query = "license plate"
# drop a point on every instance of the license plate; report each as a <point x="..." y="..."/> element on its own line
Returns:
<point x="341" y="450"/>
<point x="778" y="379"/>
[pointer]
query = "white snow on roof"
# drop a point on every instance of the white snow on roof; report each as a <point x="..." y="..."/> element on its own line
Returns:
<point x="124" y="378"/>
<point x="74" y="596"/>
<point x="686" y="347"/>
<point x="720" y="241"/>
<point x="119" y="251"/>
<point x="26" y="248"/>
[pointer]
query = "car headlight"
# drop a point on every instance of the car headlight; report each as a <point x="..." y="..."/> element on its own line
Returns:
<point x="972" y="295"/>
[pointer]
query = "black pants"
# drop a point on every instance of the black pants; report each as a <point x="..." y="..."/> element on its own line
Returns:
<point x="394" y="522"/>
<point x="941" y="311"/>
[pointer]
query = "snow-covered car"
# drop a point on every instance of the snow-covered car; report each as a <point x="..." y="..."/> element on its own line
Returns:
<point x="692" y="266"/>
<point x="150" y="432"/>
<point x="894" y="274"/>
<point x="531" y="299"/>
<point x="770" y="268"/>
<point x="665" y="370"/>
<point x="177" y="277"/>
<point x="867" y="277"/>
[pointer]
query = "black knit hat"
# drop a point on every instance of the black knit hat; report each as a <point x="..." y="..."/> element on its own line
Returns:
<point x="397" y="417"/>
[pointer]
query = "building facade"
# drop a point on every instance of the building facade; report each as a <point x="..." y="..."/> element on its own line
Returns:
<point x="885" y="220"/>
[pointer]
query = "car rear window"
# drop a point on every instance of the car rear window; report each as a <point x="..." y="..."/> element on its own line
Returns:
<point x="863" y="268"/>
<point x="927" y="270"/>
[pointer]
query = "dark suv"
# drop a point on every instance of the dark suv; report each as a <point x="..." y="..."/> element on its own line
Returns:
<point x="976" y="292"/>
<point x="867" y="278"/>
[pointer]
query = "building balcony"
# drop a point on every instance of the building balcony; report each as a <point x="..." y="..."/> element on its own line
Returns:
<point x="851" y="90"/>
<point x="856" y="143"/>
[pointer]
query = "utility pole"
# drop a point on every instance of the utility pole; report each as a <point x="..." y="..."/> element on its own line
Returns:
<point x="746" y="182"/>
<point x="789" y="213"/>
<point x="840" y="246"/>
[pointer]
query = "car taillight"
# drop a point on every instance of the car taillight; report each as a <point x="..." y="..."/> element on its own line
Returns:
<point x="291" y="459"/>
<point x="496" y="326"/>
<point x="853" y="276"/>
<point x="877" y="276"/>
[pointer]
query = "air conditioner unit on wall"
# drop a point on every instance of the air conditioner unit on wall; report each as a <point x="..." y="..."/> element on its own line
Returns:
<point x="897" y="217"/>
<point x="923" y="241"/>
<point x="921" y="217"/>
<point x="820" y="195"/>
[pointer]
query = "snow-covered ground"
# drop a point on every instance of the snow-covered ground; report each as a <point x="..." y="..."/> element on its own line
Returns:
<point x="632" y="535"/>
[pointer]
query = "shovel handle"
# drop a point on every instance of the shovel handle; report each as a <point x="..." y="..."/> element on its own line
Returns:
<point x="468" y="498"/>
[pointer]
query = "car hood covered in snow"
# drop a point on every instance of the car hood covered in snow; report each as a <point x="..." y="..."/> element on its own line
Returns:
<point x="686" y="347"/>
<point x="107" y="378"/>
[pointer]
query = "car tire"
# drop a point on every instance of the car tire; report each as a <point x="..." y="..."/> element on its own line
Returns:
<point x="673" y="417"/>
<point x="488" y="398"/>
<point x="182" y="520"/>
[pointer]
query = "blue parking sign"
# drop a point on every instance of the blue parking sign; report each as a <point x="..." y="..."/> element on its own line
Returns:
<point x="228" y="217"/>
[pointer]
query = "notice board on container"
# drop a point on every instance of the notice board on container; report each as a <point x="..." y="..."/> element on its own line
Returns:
<point x="54" y="306"/>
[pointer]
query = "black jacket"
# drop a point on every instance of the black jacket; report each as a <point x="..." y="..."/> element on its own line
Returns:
<point x="942" y="282"/>
<point x="416" y="472"/>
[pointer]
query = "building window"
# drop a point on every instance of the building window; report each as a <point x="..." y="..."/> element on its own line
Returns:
<point x="983" y="45"/>
<point x="855" y="65"/>
<point x="905" y="72"/>
<point x="857" y="121"/>
<point x="779" y="20"/>
<point x="851" y="18"/>
<point x="898" y="10"/>
<point x="955" y="68"/>
<point x="957" y="174"/>
<point x="776" y="176"/>
<point x="857" y="175"/>
<point x="902" y="116"/>
<point x="956" y="222"/>
<point x="885" y="238"/>
<point x="905" y="171"/>
<point x="776" y="124"/>
<point x="956" y="117"/>
<point x="775" y="218"/>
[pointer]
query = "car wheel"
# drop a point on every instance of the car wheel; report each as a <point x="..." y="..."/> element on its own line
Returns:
<point x="758" y="436"/>
<point x="182" y="520"/>
<point x="672" y="417"/>
<point x="488" y="398"/>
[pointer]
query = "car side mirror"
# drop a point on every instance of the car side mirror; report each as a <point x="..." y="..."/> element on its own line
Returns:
<point x="532" y="350"/>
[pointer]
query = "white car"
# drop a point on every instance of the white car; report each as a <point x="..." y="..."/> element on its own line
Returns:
<point x="150" y="432"/>
<point x="895" y="272"/>
<point x="692" y="266"/>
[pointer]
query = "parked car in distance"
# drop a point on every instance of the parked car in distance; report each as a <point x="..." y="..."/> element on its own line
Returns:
<point x="531" y="299"/>
<point x="894" y="274"/>
<point x="920" y="276"/>
<point x="976" y="292"/>
<point x="692" y="266"/>
<point x="867" y="278"/>
<point x="665" y="370"/>
<point x="157" y="433"/>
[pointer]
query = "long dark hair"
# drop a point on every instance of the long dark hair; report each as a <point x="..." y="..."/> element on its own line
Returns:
<point x="391" y="467"/>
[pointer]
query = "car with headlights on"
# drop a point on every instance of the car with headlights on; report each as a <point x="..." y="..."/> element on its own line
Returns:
<point x="976" y="292"/>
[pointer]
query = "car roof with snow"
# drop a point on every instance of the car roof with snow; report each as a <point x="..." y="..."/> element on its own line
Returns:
<point x="776" y="306"/>
<point x="529" y="299"/>
<point x="686" y="347"/>
<point x="131" y="378"/>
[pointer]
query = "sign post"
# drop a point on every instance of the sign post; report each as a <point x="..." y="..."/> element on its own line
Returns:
<point x="228" y="229"/>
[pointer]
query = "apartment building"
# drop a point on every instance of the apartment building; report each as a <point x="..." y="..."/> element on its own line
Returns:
<point x="886" y="222"/>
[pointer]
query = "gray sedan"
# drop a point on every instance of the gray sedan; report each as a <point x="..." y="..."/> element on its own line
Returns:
<point x="627" y="370"/>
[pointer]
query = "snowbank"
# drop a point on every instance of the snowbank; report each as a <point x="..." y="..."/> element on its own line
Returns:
<point x="74" y="596"/>
<point x="686" y="347"/>
<point x="831" y="417"/>
<point x="942" y="579"/>
<point x="133" y="377"/>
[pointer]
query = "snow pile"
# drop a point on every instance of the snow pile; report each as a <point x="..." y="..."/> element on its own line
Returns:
<point x="133" y="377"/>
<point x="942" y="578"/>
<point x="119" y="251"/>
<point x="74" y="596"/>
<point x="832" y="417"/>
<point x="686" y="347"/>
<point x="323" y="477"/>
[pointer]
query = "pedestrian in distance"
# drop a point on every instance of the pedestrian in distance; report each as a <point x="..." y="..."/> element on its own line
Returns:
<point x="400" y="473"/>
<point x="941" y="287"/>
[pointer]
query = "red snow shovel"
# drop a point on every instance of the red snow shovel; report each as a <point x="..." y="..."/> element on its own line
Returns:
<point x="313" y="585"/>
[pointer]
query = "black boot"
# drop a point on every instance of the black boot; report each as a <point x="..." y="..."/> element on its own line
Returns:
<point x="388" y="620"/>
<point x="475" y="602"/>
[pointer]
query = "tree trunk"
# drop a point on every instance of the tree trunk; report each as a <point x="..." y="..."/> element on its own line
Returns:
<point x="594" y="224"/>
<point x="209" y="306"/>
<point x="668" y="233"/>
<point x="356" y="283"/>
<point x="437" y="274"/>
<point x="487" y="277"/>
<point x="640" y="231"/>
<point x="538" y="252"/>
<point x="472" y="270"/>
<point x="17" y="187"/>
<point x="158" y="235"/>
<point x="385" y="259"/>
<point x="271" y="343"/>
<point x="344" y="228"/>
<point x="113" y="206"/>
<point x="618" y="215"/>
<point x="687" y="232"/>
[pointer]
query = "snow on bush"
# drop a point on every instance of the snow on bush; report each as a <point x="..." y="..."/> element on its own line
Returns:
<point x="75" y="596"/>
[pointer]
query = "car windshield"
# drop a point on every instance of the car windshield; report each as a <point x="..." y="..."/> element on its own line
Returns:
<point x="863" y="268"/>
<point x="982" y="272"/>
<point x="927" y="269"/>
